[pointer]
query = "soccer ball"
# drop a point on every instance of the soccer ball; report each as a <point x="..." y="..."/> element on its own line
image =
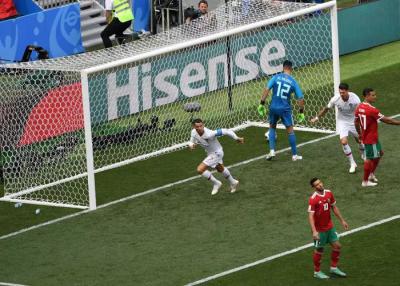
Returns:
<point x="267" y="135"/>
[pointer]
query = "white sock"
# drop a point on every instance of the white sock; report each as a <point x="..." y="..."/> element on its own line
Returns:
<point x="228" y="175"/>
<point x="347" y="152"/>
<point x="207" y="174"/>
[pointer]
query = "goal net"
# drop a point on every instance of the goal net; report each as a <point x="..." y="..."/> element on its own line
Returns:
<point x="63" y="120"/>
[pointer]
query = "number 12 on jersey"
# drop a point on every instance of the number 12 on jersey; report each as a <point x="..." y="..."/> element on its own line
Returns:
<point x="283" y="90"/>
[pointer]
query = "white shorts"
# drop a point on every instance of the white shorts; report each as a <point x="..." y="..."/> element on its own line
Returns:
<point x="213" y="159"/>
<point x="346" y="129"/>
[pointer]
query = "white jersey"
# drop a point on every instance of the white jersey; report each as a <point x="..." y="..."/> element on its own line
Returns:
<point x="346" y="109"/>
<point x="208" y="140"/>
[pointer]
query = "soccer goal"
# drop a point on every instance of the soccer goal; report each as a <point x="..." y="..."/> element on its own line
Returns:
<point x="64" y="120"/>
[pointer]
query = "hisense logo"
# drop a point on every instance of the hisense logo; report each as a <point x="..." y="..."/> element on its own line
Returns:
<point x="148" y="87"/>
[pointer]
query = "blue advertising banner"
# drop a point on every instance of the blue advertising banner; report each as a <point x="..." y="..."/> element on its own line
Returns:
<point x="56" y="30"/>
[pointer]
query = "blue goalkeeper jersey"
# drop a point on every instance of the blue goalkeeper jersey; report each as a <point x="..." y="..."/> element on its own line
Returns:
<point x="283" y="85"/>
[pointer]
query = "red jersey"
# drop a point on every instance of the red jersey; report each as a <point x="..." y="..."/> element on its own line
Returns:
<point x="7" y="9"/>
<point x="368" y="116"/>
<point x="320" y="205"/>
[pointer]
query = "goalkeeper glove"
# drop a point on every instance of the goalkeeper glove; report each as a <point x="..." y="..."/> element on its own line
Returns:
<point x="262" y="111"/>
<point x="300" y="117"/>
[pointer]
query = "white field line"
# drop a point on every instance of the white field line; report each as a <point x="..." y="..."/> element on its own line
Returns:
<point x="10" y="284"/>
<point x="294" y="250"/>
<point x="152" y="191"/>
<point x="155" y="190"/>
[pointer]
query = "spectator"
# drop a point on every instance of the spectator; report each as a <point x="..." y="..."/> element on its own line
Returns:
<point x="117" y="23"/>
<point x="202" y="11"/>
<point x="7" y="10"/>
<point x="203" y="7"/>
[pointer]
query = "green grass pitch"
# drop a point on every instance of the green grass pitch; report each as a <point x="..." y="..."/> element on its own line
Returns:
<point x="181" y="234"/>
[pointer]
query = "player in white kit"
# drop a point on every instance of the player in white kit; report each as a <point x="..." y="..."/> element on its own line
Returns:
<point x="346" y="102"/>
<point x="208" y="139"/>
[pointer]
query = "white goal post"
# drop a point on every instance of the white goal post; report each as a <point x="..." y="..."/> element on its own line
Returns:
<point x="64" y="120"/>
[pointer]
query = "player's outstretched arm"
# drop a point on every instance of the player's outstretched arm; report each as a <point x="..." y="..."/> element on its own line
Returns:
<point x="389" y="120"/>
<point x="337" y="213"/>
<point x="230" y="133"/>
<point x="240" y="140"/>
<point x="320" y="114"/>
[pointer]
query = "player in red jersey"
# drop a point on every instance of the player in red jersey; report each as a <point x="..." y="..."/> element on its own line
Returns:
<point x="319" y="216"/>
<point x="366" y="122"/>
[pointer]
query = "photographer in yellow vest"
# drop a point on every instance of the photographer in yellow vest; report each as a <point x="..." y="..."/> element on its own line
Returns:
<point x="117" y="23"/>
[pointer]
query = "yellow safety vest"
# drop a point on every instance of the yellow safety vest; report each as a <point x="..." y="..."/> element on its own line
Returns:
<point x="123" y="10"/>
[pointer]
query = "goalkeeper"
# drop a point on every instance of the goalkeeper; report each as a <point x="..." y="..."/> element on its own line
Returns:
<point x="282" y="85"/>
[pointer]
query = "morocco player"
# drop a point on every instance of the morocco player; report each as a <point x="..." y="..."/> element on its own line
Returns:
<point x="346" y="103"/>
<point x="366" y="122"/>
<point x="208" y="139"/>
<point x="319" y="216"/>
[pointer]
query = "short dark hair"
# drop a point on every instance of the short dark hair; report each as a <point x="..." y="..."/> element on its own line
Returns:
<point x="287" y="64"/>
<point x="202" y="2"/>
<point x="197" y="120"/>
<point x="313" y="180"/>
<point x="367" y="90"/>
<point x="344" y="86"/>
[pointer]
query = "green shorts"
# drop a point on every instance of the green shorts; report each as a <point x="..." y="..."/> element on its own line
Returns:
<point x="373" y="151"/>
<point x="325" y="237"/>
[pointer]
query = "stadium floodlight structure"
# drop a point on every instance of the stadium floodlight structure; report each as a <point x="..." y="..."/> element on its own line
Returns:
<point x="64" y="120"/>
